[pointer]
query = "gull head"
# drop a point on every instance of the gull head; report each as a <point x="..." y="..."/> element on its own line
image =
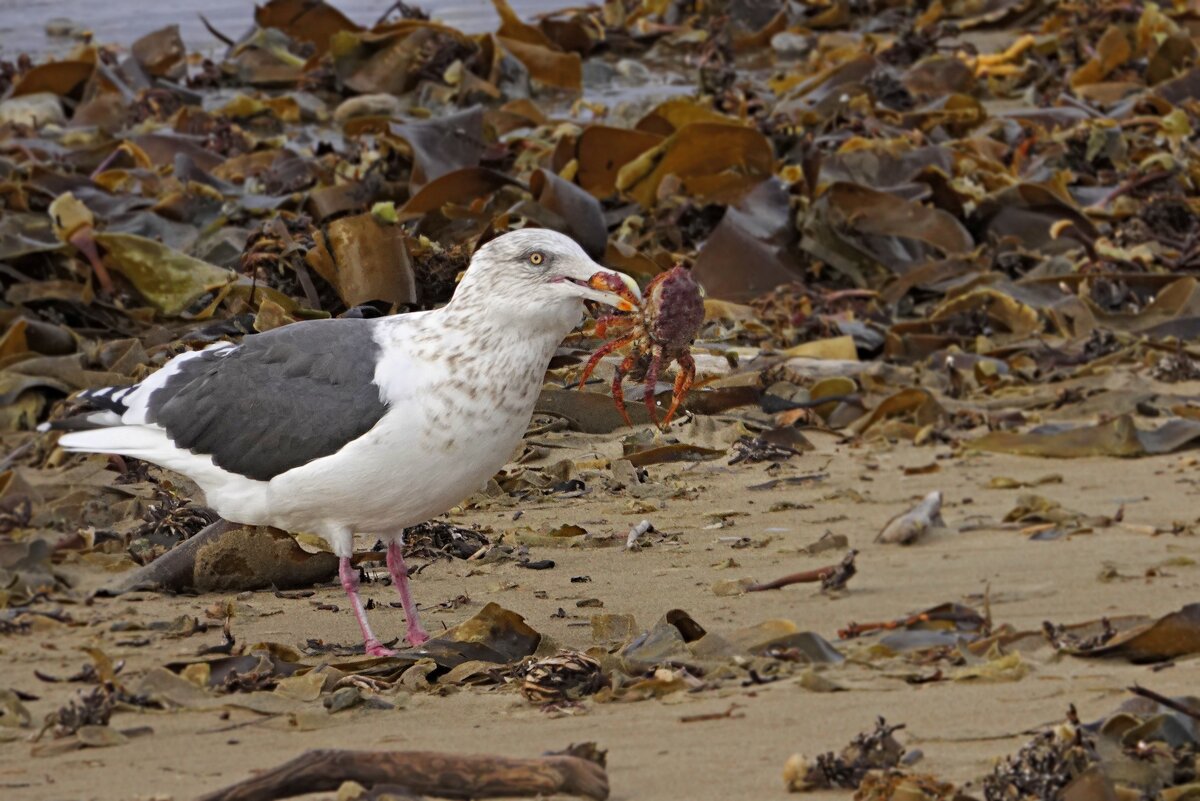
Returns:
<point x="537" y="272"/>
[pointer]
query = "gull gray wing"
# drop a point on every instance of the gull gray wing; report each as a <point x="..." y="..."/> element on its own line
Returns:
<point x="277" y="401"/>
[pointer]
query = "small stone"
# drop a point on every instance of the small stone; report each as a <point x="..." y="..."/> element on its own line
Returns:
<point x="343" y="698"/>
<point x="597" y="74"/>
<point x="813" y="681"/>
<point x="513" y="80"/>
<point x="633" y="70"/>
<point x="377" y="105"/>
<point x="35" y="110"/>
<point x="312" y="108"/>
<point x="375" y="702"/>
<point x="791" y="45"/>
<point x="731" y="587"/>
<point x="613" y="628"/>
<point x="13" y="713"/>
<point x="907" y="528"/>
<point x="350" y="791"/>
<point x="64" y="28"/>
<point x="100" y="736"/>
<point x="799" y="774"/>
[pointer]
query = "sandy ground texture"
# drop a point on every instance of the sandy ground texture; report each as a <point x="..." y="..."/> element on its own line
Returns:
<point x="960" y="725"/>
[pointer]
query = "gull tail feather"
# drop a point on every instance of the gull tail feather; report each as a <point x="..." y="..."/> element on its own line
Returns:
<point x="83" y="422"/>
<point x="140" y="441"/>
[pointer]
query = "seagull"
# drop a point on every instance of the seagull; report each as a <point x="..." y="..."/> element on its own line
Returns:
<point x="345" y="426"/>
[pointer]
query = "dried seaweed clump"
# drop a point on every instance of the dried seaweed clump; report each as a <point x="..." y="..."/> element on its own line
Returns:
<point x="876" y="750"/>
<point x="438" y="539"/>
<point x="1044" y="767"/>
<point x="166" y="523"/>
<point x="92" y="707"/>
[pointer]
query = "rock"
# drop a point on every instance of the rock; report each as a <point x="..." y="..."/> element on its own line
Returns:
<point x="254" y="558"/>
<point x="907" y="528"/>
<point x="437" y="97"/>
<point x="513" y="81"/>
<point x="64" y="28"/>
<point x="633" y="70"/>
<point x="377" y="105"/>
<point x="597" y="74"/>
<point x="225" y="557"/>
<point x="35" y="110"/>
<point x="343" y="698"/>
<point x="791" y="45"/>
<point x="800" y="774"/>
<point x="730" y="587"/>
<point x="312" y="108"/>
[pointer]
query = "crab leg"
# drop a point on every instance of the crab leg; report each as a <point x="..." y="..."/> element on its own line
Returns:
<point x="683" y="382"/>
<point x="612" y="321"/>
<point x="650" y="398"/>
<point x="618" y="393"/>
<point x="603" y="351"/>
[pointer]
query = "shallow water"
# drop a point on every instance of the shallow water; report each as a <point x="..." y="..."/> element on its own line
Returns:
<point x="23" y="22"/>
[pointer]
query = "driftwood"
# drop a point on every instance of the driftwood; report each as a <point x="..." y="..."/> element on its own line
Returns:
<point x="832" y="577"/>
<point x="171" y="571"/>
<point x="423" y="773"/>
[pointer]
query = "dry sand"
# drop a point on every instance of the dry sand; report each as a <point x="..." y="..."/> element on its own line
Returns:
<point x="959" y="725"/>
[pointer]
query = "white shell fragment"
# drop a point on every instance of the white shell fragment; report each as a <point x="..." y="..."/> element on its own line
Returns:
<point x="907" y="528"/>
<point x="635" y="532"/>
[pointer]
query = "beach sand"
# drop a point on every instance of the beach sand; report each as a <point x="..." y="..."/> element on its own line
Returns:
<point x="960" y="726"/>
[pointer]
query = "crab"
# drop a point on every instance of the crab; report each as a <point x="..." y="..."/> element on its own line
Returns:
<point x="661" y="328"/>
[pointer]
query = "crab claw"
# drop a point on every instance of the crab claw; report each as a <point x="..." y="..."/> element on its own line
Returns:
<point x="621" y="285"/>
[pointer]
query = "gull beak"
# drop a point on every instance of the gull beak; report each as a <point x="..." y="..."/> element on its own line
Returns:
<point x="609" y="287"/>
<point x="629" y="297"/>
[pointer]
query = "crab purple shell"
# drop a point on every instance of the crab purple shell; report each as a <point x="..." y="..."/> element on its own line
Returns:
<point x="675" y="308"/>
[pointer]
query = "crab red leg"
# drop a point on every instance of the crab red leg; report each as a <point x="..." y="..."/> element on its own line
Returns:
<point x="610" y="321"/>
<point x="683" y="382"/>
<point x="654" y="282"/>
<point x="656" y="357"/>
<point x="619" y="394"/>
<point x="603" y="351"/>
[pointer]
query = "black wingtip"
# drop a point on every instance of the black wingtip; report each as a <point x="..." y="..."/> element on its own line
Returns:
<point x="109" y="398"/>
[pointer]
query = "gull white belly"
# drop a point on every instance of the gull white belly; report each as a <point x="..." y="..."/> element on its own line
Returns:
<point x="399" y="475"/>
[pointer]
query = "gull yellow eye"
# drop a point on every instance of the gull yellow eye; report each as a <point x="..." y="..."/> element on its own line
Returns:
<point x="536" y="258"/>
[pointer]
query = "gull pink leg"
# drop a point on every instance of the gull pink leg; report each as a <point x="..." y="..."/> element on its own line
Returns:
<point x="395" y="562"/>
<point x="349" y="578"/>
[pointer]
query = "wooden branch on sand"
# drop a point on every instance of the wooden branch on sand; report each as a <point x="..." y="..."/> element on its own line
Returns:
<point x="423" y="773"/>
<point x="171" y="571"/>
